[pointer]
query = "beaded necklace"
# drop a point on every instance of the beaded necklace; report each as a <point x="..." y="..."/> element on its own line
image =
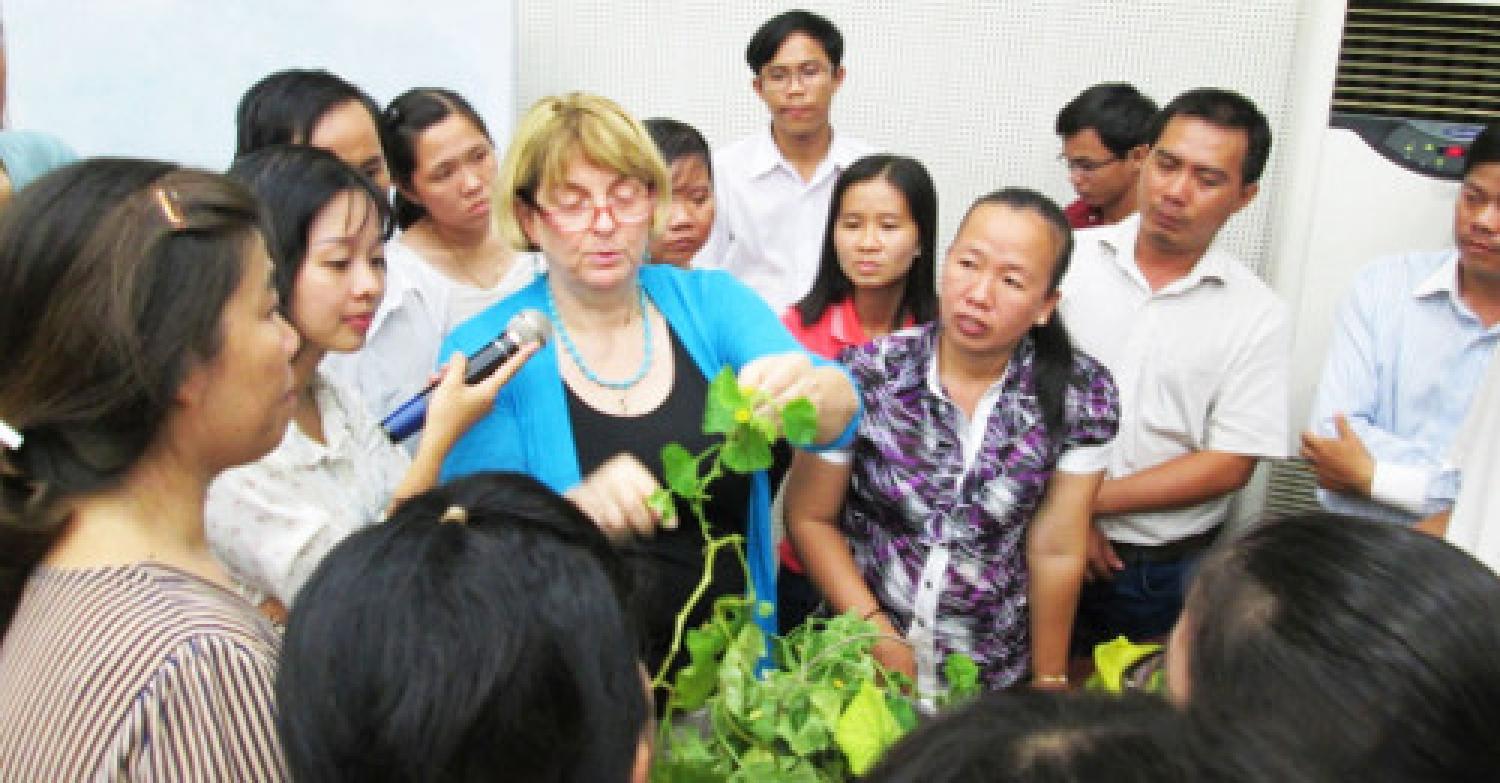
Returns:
<point x="625" y="385"/>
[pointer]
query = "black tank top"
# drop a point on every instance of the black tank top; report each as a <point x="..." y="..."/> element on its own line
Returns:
<point x="668" y="564"/>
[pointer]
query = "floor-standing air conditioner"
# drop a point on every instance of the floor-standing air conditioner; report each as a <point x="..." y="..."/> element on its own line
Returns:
<point x="1411" y="82"/>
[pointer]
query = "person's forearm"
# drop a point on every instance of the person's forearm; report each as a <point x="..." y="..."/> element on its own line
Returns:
<point x="1435" y="525"/>
<point x="1177" y="483"/>
<point x="840" y="402"/>
<point x="825" y="553"/>
<point x="1055" y="583"/>
<point x="426" y="466"/>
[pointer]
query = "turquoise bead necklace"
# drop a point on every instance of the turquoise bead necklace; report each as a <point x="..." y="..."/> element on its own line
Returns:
<point x="628" y="383"/>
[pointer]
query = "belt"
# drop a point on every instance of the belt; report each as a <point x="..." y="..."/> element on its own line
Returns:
<point x="1170" y="551"/>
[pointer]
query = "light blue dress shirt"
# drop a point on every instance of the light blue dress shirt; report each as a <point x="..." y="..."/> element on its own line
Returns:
<point x="1406" y="359"/>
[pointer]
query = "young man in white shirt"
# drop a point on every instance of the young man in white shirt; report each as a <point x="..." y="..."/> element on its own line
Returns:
<point x="773" y="187"/>
<point x="1199" y="347"/>
<point x="1410" y="346"/>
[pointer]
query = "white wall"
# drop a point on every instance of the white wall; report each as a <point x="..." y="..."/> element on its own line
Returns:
<point x="969" y="88"/>
<point x="161" y="78"/>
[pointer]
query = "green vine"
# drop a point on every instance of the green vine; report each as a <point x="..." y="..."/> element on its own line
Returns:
<point x="827" y="709"/>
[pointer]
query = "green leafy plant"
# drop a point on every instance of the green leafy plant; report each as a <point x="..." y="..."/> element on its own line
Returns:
<point x="826" y="709"/>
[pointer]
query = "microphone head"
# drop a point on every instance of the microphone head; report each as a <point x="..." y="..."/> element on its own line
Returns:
<point x="529" y="326"/>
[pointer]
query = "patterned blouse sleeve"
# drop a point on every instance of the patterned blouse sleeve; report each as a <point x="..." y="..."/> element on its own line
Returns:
<point x="209" y="716"/>
<point x="1093" y="409"/>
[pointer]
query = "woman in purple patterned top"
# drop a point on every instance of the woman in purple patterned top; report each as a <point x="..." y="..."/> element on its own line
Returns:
<point x="957" y="522"/>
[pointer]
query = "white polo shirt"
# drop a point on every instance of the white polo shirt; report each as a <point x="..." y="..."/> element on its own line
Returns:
<point x="769" y="223"/>
<point x="1202" y="365"/>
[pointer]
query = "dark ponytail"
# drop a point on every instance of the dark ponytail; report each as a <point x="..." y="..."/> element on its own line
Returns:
<point x="113" y="276"/>
<point x="1054" y="349"/>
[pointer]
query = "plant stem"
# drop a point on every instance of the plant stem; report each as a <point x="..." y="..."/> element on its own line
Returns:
<point x="710" y="551"/>
<point x="840" y="644"/>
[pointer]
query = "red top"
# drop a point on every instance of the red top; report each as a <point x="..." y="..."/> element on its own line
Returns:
<point x="1081" y="215"/>
<point x="838" y="329"/>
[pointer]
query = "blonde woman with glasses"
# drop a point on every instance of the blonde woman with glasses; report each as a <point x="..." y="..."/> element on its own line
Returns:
<point x="635" y="348"/>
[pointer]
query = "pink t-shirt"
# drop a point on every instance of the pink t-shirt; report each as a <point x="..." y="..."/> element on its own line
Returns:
<point x="838" y="329"/>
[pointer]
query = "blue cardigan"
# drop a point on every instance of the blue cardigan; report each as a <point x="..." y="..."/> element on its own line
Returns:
<point x="718" y="320"/>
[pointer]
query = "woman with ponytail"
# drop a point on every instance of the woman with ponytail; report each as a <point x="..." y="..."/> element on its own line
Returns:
<point x="450" y="261"/>
<point x="145" y="353"/>
<point x="958" y="519"/>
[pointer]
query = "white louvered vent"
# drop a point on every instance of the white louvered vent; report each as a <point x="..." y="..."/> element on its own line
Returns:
<point x="1417" y="60"/>
<point x="1290" y="489"/>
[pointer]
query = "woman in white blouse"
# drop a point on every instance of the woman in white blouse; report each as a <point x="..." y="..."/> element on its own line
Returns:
<point x="450" y="261"/>
<point x="334" y="471"/>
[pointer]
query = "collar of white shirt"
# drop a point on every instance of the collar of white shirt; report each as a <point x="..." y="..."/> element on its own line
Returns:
<point x="1119" y="241"/>
<point x="765" y="157"/>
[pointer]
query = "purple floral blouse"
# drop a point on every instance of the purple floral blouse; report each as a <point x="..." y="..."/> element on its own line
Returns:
<point x="944" y="547"/>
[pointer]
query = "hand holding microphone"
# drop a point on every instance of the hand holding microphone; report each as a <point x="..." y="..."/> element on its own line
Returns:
<point x="524" y="334"/>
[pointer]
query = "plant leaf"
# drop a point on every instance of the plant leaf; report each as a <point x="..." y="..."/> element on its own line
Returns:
<point x="695" y="681"/>
<point x="724" y="399"/>
<point x="799" y="421"/>
<point x="962" y="675"/>
<point x="865" y="729"/>
<point x="902" y="710"/>
<point x="746" y="451"/>
<point x="660" y="502"/>
<point x="680" y="468"/>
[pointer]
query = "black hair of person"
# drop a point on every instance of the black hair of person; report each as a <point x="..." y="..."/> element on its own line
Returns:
<point x="1117" y="111"/>
<point x="919" y="294"/>
<point x="294" y="183"/>
<point x="403" y="122"/>
<point x="1054" y="348"/>
<point x="114" y="275"/>
<point x="479" y="634"/>
<point x="774" y="32"/>
<point x="1378" y="642"/>
<point x="675" y="139"/>
<point x="1224" y="109"/>
<point x="1485" y="148"/>
<point x="284" y="107"/>
<point x="1025" y="736"/>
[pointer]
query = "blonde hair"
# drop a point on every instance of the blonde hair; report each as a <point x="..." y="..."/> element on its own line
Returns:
<point x="558" y="129"/>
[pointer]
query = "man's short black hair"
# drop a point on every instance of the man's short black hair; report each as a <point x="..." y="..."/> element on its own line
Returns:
<point x="1117" y="111"/>
<point x="1484" y="149"/>
<point x="771" y="35"/>
<point x="1226" y="109"/>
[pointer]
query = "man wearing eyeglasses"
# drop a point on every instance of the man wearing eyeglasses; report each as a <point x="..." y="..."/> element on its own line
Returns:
<point x="1104" y="134"/>
<point x="773" y="187"/>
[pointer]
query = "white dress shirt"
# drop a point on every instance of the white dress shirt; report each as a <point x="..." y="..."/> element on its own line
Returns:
<point x="272" y="521"/>
<point x="1406" y="356"/>
<point x="769" y="222"/>
<point x="1202" y="365"/>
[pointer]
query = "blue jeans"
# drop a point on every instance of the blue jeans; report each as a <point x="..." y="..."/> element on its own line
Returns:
<point x="1141" y="603"/>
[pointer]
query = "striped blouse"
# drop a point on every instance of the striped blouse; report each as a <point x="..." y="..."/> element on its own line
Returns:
<point x="136" y="672"/>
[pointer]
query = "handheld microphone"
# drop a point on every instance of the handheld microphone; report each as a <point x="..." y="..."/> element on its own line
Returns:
<point x="524" y="327"/>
